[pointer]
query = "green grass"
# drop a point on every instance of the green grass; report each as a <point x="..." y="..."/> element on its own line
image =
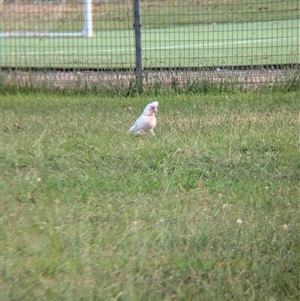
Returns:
<point x="174" y="34"/>
<point x="234" y="44"/>
<point x="90" y="213"/>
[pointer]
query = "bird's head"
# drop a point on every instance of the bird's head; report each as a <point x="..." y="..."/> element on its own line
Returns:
<point x="151" y="108"/>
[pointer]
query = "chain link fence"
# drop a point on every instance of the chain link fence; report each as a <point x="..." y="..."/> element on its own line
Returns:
<point x="251" y="40"/>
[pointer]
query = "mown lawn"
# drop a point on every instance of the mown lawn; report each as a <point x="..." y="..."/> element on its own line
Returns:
<point x="207" y="209"/>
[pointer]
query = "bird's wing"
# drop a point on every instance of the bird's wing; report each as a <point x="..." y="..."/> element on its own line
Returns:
<point x="143" y="124"/>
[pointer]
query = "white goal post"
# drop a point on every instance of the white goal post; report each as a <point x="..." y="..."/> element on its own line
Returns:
<point x="88" y="19"/>
<point x="87" y="30"/>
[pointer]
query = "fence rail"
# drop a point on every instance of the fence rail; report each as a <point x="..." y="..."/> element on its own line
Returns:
<point x="170" y="35"/>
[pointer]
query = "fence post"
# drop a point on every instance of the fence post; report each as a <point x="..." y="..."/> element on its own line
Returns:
<point x="138" y="42"/>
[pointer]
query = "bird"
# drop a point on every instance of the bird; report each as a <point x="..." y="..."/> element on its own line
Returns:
<point x="146" y="122"/>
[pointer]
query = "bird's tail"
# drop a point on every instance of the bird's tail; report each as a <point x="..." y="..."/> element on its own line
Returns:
<point x="130" y="131"/>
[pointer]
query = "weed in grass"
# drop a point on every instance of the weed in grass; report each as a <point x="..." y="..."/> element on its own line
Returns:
<point x="208" y="209"/>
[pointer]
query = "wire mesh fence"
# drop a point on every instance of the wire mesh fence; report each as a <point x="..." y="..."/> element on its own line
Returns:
<point x="184" y="37"/>
<point x="221" y="33"/>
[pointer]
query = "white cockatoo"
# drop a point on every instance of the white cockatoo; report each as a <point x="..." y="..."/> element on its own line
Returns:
<point x="146" y="122"/>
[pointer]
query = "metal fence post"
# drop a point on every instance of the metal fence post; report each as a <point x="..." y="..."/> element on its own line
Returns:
<point x="138" y="42"/>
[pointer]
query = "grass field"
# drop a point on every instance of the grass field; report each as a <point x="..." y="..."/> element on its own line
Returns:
<point x="28" y="15"/>
<point x="207" y="209"/>
<point x="235" y="44"/>
<point x="174" y="34"/>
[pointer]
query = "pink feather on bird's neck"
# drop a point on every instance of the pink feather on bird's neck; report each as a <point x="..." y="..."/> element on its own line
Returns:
<point x="150" y="110"/>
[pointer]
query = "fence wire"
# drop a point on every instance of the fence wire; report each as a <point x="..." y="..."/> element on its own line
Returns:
<point x="186" y="37"/>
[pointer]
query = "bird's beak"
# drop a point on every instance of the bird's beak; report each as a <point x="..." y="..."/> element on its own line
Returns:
<point x="155" y="110"/>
